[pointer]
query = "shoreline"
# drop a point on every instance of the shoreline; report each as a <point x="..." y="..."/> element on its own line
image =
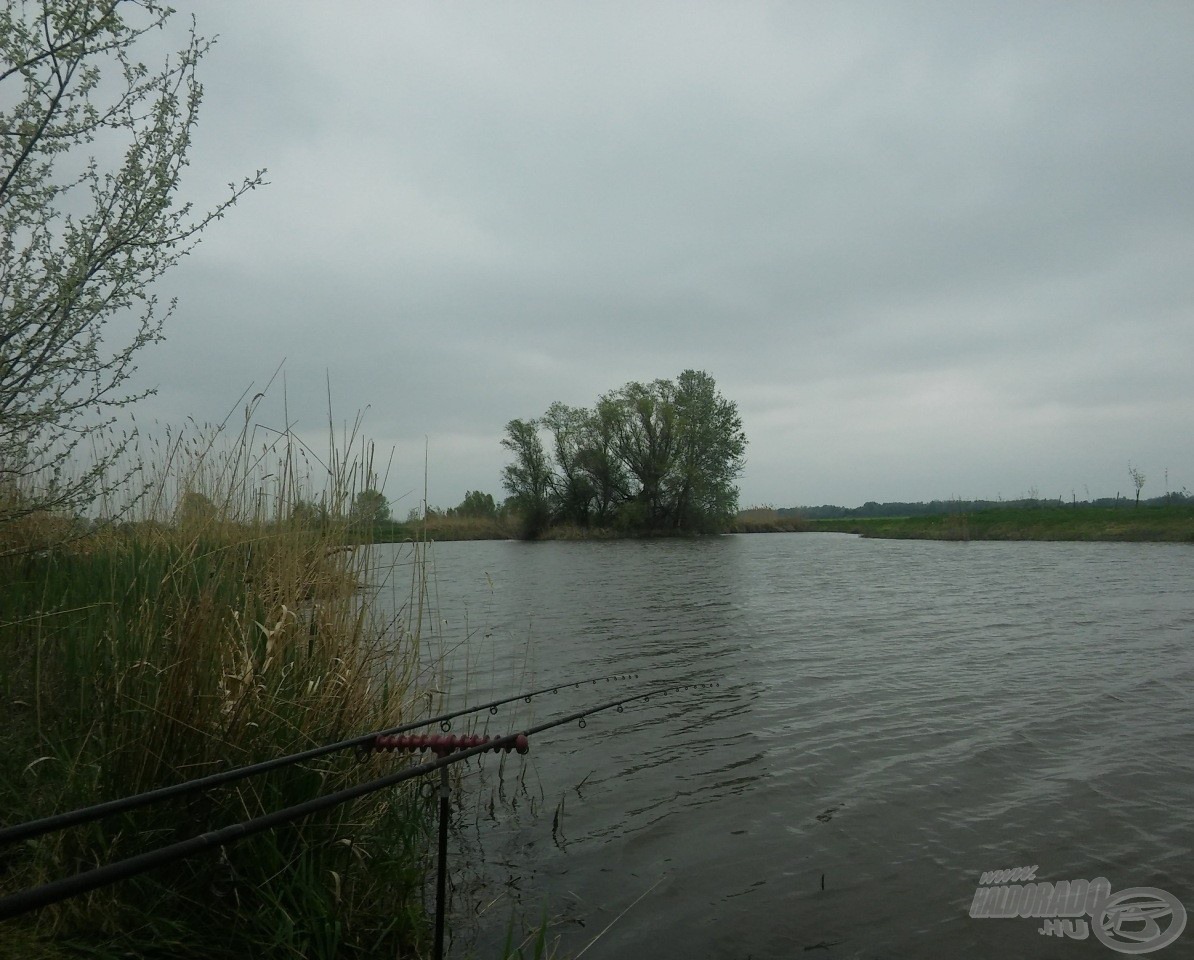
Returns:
<point x="1145" y="524"/>
<point x="1150" y="524"/>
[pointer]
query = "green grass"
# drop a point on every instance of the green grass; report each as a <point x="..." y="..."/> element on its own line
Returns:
<point x="1129" y="523"/>
<point x="442" y="528"/>
<point x="178" y="645"/>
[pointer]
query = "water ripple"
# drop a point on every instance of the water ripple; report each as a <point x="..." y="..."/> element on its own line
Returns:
<point x="893" y="719"/>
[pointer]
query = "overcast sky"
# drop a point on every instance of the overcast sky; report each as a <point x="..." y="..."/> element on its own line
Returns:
<point x="931" y="250"/>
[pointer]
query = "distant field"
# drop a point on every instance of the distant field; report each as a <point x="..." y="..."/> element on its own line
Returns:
<point x="1169" y="523"/>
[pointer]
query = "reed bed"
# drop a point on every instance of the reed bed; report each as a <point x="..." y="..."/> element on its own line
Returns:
<point x="766" y="520"/>
<point x="440" y="527"/>
<point x="208" y="630"/>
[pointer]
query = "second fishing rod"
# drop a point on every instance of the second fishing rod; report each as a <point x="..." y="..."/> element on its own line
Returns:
<point x="63" y="889"/>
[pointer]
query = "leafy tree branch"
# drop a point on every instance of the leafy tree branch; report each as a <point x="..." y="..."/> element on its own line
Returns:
<point x="93" y="145"/>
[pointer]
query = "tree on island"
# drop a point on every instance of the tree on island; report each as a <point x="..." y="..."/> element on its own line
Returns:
<point x="308" y="513"/>
<point x="659" y="457"/>
<point x="528" y="478"/>
<point x="475" y="504"/>
<point x="370" y="507"/>
<point x="195" y="510"/>
<point x="93" y="145"/>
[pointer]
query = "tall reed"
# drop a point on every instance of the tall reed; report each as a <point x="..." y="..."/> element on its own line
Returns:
<point x="209" y="630"/>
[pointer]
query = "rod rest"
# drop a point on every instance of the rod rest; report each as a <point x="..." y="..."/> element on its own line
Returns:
<point x="442" y="745"/>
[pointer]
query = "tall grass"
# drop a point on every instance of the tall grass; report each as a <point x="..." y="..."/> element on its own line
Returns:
<point x="207" y="630"/>
<point x="766" y="520"/>
<point x="441" y="527"/>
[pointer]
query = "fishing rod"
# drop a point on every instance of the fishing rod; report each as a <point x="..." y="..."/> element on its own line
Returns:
<point x="58" y="890"/>
<point x="60" y="821"/>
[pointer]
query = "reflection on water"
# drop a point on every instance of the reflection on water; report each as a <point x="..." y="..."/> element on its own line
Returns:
<point x="892" y="719"/>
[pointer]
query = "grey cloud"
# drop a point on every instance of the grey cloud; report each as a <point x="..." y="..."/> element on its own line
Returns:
<point x="883" y="228"/>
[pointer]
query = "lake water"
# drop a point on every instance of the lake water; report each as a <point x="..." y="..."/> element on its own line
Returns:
<point x="892" y="719"/>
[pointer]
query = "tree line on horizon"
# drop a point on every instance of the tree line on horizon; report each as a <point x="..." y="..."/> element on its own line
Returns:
<point x="872" y="508"/>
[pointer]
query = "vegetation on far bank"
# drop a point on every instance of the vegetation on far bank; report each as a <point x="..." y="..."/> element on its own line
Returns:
<point x="1148" y="522"/>
<point x="767" y="520"/>
<point x="656" y="459"/>
<point x="1170" y="521"/>
<point x="647" y="459"/>
<point x="439" y="526"/>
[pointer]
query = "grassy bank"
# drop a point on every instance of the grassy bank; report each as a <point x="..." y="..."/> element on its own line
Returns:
<point x="766" y="520"/>
<point x="1145" y="523"/>
<point x="442" y="528"/>
<point x="199" y="637"/>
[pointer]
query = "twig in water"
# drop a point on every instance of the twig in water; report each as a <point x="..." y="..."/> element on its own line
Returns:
<point x="557" y="834"/>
